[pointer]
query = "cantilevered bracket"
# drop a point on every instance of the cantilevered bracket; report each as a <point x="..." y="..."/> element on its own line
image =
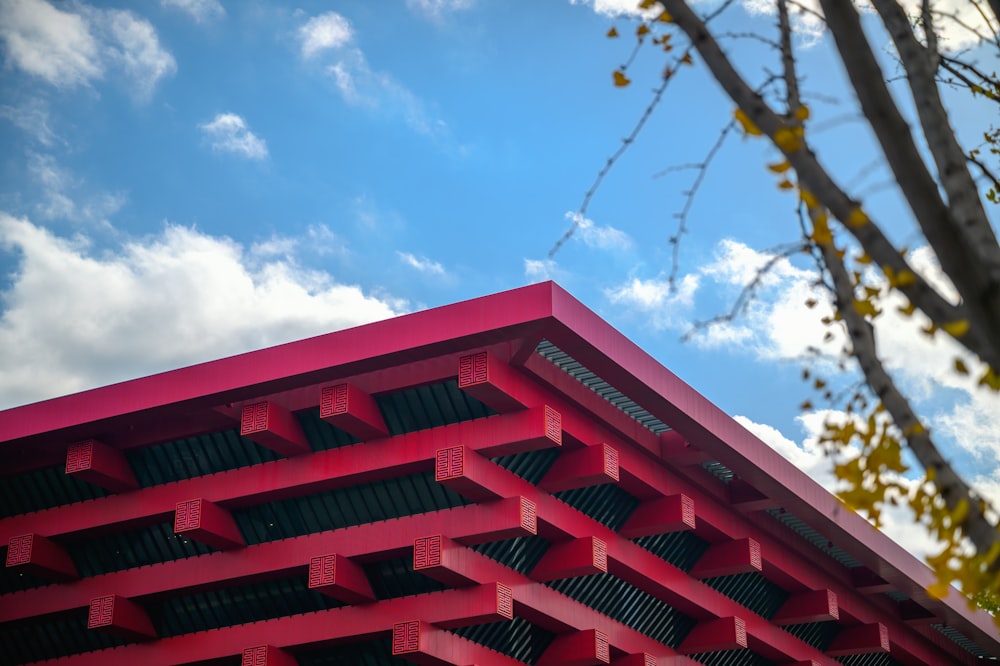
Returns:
<point x="580" y="648"/>
<point x="860" y="639"/>
<point x="341" y="578"/>
<point x="491" y="381"/>
<point x="729" y="558"/>
<point x="663" y="515"/>
<point x="120" y="616"/>
<point x="723" y="633"/>
<point x="207" y="523"/>
<point x="582" y="468"/>
<point x="102" y="465"/>
<point x="464" y="471"/>
<point x="34" y="554"/>
<point x="273" y="427"/>
<point x="569" y="559"/>
<point x="267" y="655"/>
<point x="808" y="607"/>
<point x="352" y="410"/>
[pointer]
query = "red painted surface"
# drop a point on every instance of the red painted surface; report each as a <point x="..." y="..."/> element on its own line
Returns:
<point x="487" y="344"/>
<point x="119" y="616"/>
<point x="34" y="554"/>
<point x="102" y="465"/>
<point x="580" y="648"/>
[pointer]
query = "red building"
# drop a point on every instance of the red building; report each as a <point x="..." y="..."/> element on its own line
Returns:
<point x="506" y="480"/>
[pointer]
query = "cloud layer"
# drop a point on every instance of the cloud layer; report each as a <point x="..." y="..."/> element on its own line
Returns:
<point x="229" y="133"/>
<point x="74" y="317"/>
<point x="76" y="48"/>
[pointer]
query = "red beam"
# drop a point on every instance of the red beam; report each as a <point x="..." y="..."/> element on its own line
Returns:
<point x="293" y="477"/>
<point x="207" y="523"/>
<point x="660" y="516"/>
<point x="580" y="648"/>
<point x="568" y="559"/>
<point x="447" y="609"/>
<point x="338" y="577"/>
<point x="267" y="655"/>
<point x="582" y="468"/>
<point x="638" y="659"/>
<point x="808" y="607"/>
<point x="460" y="469"/>
<point x="723" y="633"/>
<point x="860" y="639"/>
<point x="347" y="407"/>
<point x="102" y="465"/>
<point x="423" y="643"/>
<point x="274" y="427"/>
<point x="867" y="581"/>
<point x="728" y="558"/>
<point x="538" y="603"/>
<point x="42" y="557"/>
<point x="745" y="497"/>
<point x="470" y="525"/>
<point x="119" y="616"/>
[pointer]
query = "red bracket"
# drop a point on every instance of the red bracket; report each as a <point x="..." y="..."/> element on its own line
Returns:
<point x="860" y="639"/>
<point x="580" y="648"/>
<point x="464" y="471"/>
<point x="808" y="607"/>
<point x="569" y="559"/>
<point x="352" y="410"/>
<point x="724" y="633"/>
<point x="102" y="465"/>
<point x="274" y="427"/>
<point x="120" y="616"/>
<point x="866" y="580"/>
<point x="491" y="381"/>
<point x="744" y="497"/>
<point x="207" y="523"/>
<point x="582" y="468"/>
<point x="341" y="578"/>
<point x="728" y="558"/>
<point x="660" y="516"/>
<point x="42" y="557"/>
<point x="267" y="655"/>
<point x="442" y="559"/>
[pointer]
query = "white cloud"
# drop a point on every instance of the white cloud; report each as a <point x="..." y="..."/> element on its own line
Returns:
<point x="135" y="47"/>
<point x="32" y="117"/>
<point x="437" y="8"/>
<point x="668" y="307"/>
<point x="62" y="197"/>
<point x="324" y="32"/>
<point x="539" y="270"/>
<point x="229" y="133"/>
<point x="200" y="10"/>
<point x="596" y="236"/>
<point x="75" y="318"/>
<point x="49" y="43"/>
<point x="422" y="264"/>
<point x="70" y="49"/>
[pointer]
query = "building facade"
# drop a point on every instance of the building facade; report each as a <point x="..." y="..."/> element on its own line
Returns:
<point x="506" y="480"/>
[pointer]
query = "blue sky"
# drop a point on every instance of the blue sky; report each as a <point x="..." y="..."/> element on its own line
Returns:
<point x="186" y="179"/>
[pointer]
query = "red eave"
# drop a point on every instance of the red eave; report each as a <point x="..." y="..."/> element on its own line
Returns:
<point x="519" y="319"/>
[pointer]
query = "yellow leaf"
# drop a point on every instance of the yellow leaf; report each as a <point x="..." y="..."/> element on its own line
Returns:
<point x="613" y="32"/>
<point x="907" y="309"/>
<point x="956" y="329"/>
<point x="780" y="167"/>
<point x="642" y="30"/>
<point x="864" y="259"/>
<point x="821" y="234"/>
<point x="787" y="140"/>
<point x="960" y="367"/>
<point x="906" y="279"/>
<point x="938" y="590"/>
<point x="687" y="59"/>
<point x="646" y="4"/>
<point x="811" y="303"/>
<point x="620" y="79"/>
<point x="929" y="330"/>
<point x="808" y="198"/>
<point x="786" y="185"/>
<point x="744" y="120"/>
<point x="990" y="378"/>
<point x="806" y="405"/>
<point x="819" y="383"/>
<point x="865" y="308"/>
<point x="665" y="17"/>
<point x="857" y="218"/>
<point x="802" y="113"/>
